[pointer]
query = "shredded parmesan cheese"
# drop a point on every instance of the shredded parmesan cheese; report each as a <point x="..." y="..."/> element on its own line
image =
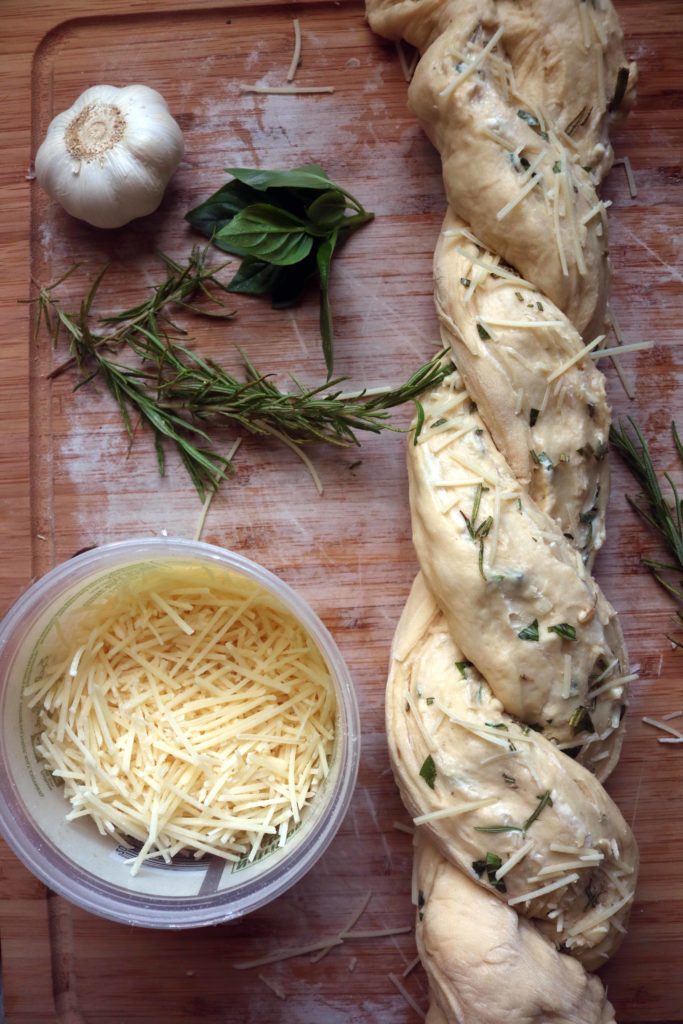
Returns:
<point x="576" y="358"/>
<point x="296" y="55"/>
<point x="636" y="346"/>
<point x="474" y="65"/>
<point x="286" y="90"/>
<point x="273" y="986"/>
<point x="630" y="177"/>
<point x="455" y="810"/>
<point x="522" y="194"/>
<point x="559" y="884"/>
<point x="398" y="984"/>
<point x="514" y="860"/>
<point x="199" y="716"/>
<point x="597" y="918"/>
<point x="663" y="726"/>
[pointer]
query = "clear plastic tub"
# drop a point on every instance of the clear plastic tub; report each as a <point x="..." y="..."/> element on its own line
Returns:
<point x="72" y="858"/>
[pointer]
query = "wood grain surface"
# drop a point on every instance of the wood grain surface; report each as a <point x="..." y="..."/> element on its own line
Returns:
<point x="69" y="480"/>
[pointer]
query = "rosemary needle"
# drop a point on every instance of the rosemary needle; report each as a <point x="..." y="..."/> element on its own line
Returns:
<point x="180" y="396"/>
<point x="664" y="515"/>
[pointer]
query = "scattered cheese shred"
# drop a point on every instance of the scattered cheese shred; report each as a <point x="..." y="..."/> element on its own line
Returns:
<point x="559" y="884"/>
<point x="474" y="65"/>
<point x="522" y="194"/>
<point x="455" y="810"/>
<point x="287" y="954"/>
<point x="411" y="967"/>
<point x="567" y="677"/>
<point x="576" y="358"/>
<point x="527" y="324"/>
<point x="273" y="986"/>
<point x="296" y="55"/>
<point x="200" y="717"/>
<point x="286" y="90"/>
<point x="630" y="177"/>
<point x="622" y="350"/>
<point x="597" y="918"/>
<point x="562" y="866"/>
<point x="398" y="984"/>
<point x="355" y="918"/>
<point x="493" y="268"/>
<point x="663" y="727"/>
<point x="514" y="860"/>
<point x="210" y="496"/>
<point x="407" y="66"/>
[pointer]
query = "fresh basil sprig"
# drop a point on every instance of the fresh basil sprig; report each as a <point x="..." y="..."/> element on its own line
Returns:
<point x="286" y="225"/>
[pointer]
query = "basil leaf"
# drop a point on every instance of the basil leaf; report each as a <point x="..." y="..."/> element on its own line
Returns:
<point x="220" y="208"/>
<point x="328" y="210"/>
<point x="529" y="632"/>
<point x="268" y="233"/>
<point x="324" y="259"/>
<point x="292" y="281"/>
<point x="428" y="771"/>
<point x="309" y="176"/>
<point x="254" y="277"/>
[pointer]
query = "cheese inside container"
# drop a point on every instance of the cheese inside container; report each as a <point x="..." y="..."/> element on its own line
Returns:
<point x="179" y="734"/>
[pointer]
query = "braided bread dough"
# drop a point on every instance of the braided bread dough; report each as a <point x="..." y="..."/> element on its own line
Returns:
<point x="509" y="675"/>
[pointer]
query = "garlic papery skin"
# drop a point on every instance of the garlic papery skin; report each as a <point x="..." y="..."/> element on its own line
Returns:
<point x="109" y="157"/>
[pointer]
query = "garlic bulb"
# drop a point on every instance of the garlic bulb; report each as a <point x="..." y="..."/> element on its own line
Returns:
<point x="110" y="156"/>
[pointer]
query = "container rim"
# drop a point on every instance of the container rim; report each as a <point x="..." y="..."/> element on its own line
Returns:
<point x="89" y="891"/>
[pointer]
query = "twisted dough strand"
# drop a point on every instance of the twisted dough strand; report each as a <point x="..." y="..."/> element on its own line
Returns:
<point x="509" y="675"/>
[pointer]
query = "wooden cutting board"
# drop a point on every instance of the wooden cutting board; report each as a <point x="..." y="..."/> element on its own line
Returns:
<point x="68" y="479"/>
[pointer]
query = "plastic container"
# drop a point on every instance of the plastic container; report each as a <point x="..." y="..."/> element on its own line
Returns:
<point x="72" y="858"/>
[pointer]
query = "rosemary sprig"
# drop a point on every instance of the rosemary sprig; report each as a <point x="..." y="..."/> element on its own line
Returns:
<point x="663" y="515"/>
<point x="543" y="800"/>
<point x="182" y="285"/>
<point x="180" y="396"/>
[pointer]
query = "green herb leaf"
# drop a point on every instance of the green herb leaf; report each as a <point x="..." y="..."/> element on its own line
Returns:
<point x="497" y="725"/>
<point x="532" y="121"/>
<point x="496" y="829"/>
<point x="482" y="332"/>
<point x="662" y="514"/>
<point x="488" y="866"/>
<point x="254" y="277"/>
<point x="308" y="176"/>
<point x="179" y="396"/>
<point x="563" y="630"/>
<point x="581" y="721"/>
<point x="462" y="667"/>
<point x="324" y="258"/>
<point x="420" y="420"/>
<point x="291" y="220"/>
<point x="269" y="234"/>
<point x="619" y="89"/>
<point x="465" y="282"/>
<point x="220" y="208"/>
<point x="557" y="167"/>
<point x="533" y="417"/>
<point x="544" y="800"/>
<point x="292" y="280"/>
<point x="328" y="210"/>
<point x="428" y="771"/>
<point x="529" y="632"/>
